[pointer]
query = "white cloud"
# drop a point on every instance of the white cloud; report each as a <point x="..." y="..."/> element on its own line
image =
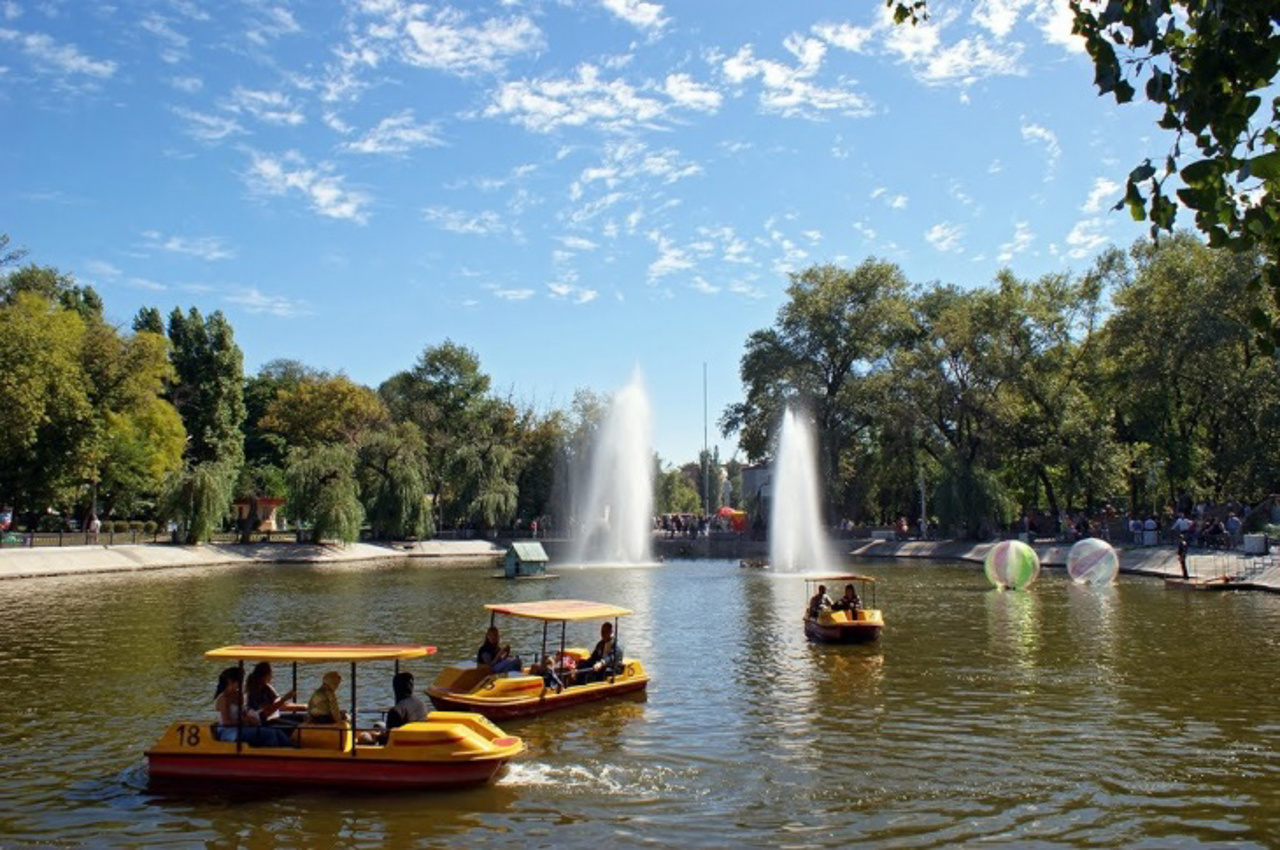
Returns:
<point x="789" y="90"/>
<point x="207" y="248"/>
<point x="945" y="236"/>
<point x="174" y="43"/>
<point x="685" y="92"/>
<point x="571" y="292"/>
<point x="101" y="268"/>
<point x="255" y="301"/>
<point x="700" y="284"/>
<point x="896" y="202"/>
<point x="577" y="243"/>
<point x="446" y="43"/>
<point x="483" y="223"/>
<point x="1103" y="191"/>
<point x="208" y="128"/>
<point x="638" y="13"/>
<point x="1021" y="241"/>
<point x="51" y="57"/>
<point x="396" y="134"/>
<point x="1042" y="135"/>
<point x="1085" y="238"/>
<point x="190" y="85"/>
<point x="324" y="190"/>
<point x="548" y="104"/>
<point x="844" y="36"/>
<point x="999" y="16"/>
<point x="513" y="294"/>
<point x="671" y="258"/>
<point x="969" y="60"/>
<point x="267" y="106"/>
<point x="12" y="11"/>
<point x="270" y="23"/>
<point x="1056" y="20"/>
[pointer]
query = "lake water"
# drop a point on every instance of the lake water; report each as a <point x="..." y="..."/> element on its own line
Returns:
<point x="1131" y="715"/>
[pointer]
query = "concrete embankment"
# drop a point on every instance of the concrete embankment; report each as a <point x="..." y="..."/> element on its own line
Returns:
<point x="1245" y="572"/>
<point x="71" y="560"/>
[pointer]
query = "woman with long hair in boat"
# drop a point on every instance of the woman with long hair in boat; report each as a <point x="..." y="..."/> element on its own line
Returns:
<point x="238" y="723"/>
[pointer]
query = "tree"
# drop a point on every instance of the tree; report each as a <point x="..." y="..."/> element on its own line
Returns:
<point x="323" y="408"/>
<point x="262" y="446"/>
<point x="392" y="485"/>
<point x="197" y="498"/>
<point x="208" y="388"/>
<point x="46" y="411"/>
<point x="1208" y="66"/>
<point x="54" y="286"/>
<point x="323" y="493"/>
<point x="836" y="326"/>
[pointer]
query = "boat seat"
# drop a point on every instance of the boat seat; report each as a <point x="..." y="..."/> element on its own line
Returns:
<point x="324" y="736"/>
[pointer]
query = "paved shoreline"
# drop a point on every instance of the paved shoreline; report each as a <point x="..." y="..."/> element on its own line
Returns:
<point x="1246" y="572"/>
<point x="39" y="562"/>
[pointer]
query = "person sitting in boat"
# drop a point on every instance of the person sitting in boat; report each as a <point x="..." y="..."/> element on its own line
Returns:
<point x="605" y="659"/>
<point x="235" y="725"/>
<point x="323" y="705"/>
<point x="261" y="697"/>
<point x="820" y="602"/>
<point x="849" y="602"/>
<point x="408" y="708"/>
<point x="496" y="657"/>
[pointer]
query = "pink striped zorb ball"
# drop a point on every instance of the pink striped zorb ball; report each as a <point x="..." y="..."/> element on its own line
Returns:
<point x="1011" y="564"/>
<point x="1092" y="561"/>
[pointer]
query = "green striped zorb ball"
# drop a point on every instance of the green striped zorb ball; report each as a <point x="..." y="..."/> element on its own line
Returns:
<point x="1092" y="561"/>
<point x="1011" y="564"/>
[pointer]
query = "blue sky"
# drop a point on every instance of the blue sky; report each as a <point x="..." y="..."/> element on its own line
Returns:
<point x="569" y="187"/>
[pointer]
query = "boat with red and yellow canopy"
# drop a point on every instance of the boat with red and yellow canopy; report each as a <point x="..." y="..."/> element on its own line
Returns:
<point x="556" y="680"/>
<point x="447" y="750"/>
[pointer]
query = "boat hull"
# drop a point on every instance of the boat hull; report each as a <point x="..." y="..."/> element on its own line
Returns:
<point x="337" y="772"/>
<point x="543" y="701"/>
<point x="858" y="631"/>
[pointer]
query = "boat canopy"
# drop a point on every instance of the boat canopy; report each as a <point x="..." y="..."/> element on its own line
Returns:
<point x="838" y="577"/>
<point x="559" y="610"/>
<point x="320" y="652"/>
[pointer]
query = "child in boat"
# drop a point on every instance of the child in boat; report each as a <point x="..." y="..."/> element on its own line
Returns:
<point x="234" y="725"/>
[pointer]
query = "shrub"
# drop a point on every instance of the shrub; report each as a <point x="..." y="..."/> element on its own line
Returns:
<point x="149" y="527"/>
<point x="119" y="526"/>
<point x="135" y="525"/>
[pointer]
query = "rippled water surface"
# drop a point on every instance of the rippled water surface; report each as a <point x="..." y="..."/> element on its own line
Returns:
<point x="1131" y="715"/>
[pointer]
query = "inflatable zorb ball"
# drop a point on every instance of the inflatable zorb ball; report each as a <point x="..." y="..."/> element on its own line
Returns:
<point x="1092" y="561"/>
<point x="1011" y="564"/>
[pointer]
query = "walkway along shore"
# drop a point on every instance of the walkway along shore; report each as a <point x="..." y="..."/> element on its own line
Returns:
<point x="75" y="560"/>
<point x="1244" y="572"/>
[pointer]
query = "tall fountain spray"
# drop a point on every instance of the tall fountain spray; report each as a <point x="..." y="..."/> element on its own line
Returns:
<point x="797" y="542"/>
<point x="615" y="510"/>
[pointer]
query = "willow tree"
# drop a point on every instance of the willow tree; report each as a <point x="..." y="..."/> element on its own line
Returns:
<point x="323" y="492"/>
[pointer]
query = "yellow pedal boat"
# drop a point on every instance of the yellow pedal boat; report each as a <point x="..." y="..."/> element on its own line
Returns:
<point x="859" y="624"/>
<point x="447" y="750"/>
<point x="537" y="688"/>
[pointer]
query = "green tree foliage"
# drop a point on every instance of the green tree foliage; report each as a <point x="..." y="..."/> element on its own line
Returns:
<point x="46" y="409"/>
<point x="836" y="326"/>
<point x="208" y="388"/>
<point x="54" y="286"/>
<point x="197" y="498"/>
<point x="540" y="459"/>
<point x="324" y="409"/>
<point x="1210" y="67"/>
<point x="393" y="489"/>
<point x="471" y="467"/>
<point x="674" y="493"/>
<point x="323" y="492"/>
<point x="262" y="446"/>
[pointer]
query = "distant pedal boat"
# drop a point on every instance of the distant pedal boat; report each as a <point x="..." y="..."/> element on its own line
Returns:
<point x="861" y="626"/>
<point x="447" y="750"/>
<point x="525" y="693"/>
